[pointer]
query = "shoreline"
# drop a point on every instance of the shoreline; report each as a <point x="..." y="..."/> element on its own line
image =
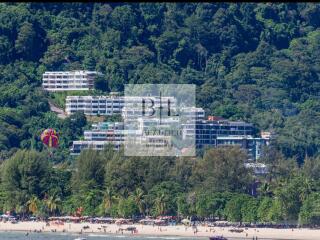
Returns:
<point x="149" y="230"/>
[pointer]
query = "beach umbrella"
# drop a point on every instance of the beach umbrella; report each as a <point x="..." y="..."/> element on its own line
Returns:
<point x="186" y="221"/>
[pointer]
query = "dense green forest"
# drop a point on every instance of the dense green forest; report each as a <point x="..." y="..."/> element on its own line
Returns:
<point x="216" y="185"/>
<point x="255" y="62"/>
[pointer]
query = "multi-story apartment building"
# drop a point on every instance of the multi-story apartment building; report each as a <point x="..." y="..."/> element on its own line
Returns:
<point x="94" y="105"/>
<point x="78" y="146"/>
<point x="216" y="132"/>
<point x="99" y="136"/>
<point x="213" y="132"/>
<point x="192" y="114"/>
<point x="68" y="80"/>
<point x="129" y="107"/>
<point x="206" y="131"/>
<point x="254" y="146"/>
<point x="106" y="133"/>
<point x="105" y="130"/>
<point x="136" y="107"/>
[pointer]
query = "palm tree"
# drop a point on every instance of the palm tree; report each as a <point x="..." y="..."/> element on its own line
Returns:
<point x="160" y="204"/>
<point x="33" y="204"/>
<point x="265" y="189"/>
<point x="138" y="196"/>
<point x="53" y="203"/>
<point x="109" y="198"/>
<point x="21" y="209"/>
<point x="306" y="188"/>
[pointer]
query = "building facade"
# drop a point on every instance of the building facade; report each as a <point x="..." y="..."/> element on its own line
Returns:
<point x="193" y="114"/>
<point x="206" y="131"/>
<point x="213" y="132"/>
<point x="128" y="107"/>
<point x="94" y="105"/>
<point x="217" y="132"/>
<point x="101" y="135"/>
<point x="253" y="146"/>
<point x="68" y="80"/>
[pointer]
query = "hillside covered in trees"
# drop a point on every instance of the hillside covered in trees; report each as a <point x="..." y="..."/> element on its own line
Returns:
<point x="255" y="62"/>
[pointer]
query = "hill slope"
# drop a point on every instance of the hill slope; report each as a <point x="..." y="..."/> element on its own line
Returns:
<point x="256" y="62"/>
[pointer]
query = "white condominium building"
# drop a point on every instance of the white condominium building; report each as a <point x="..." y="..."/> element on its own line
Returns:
<point x="101" y="135"/>
<point x="94" y="105"/>
<point x="114" y="134"/>
<point x="68" y="80"/>
<point x="104" y="131"/>
<point x="78" y="146"/>
<point x="192" y="113"/>
<point x="110" y="105"/>
<point x="148" y="106"/>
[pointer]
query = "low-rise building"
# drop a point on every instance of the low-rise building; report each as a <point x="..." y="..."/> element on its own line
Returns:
<point x="94" y="105"/>
<point x="68" y="80"/>
<point x="258" y="168"/>
<point x="78" y="146"/>
<point x="149" y="106"/>
<point x="216" y="132"/>
<point x="192" y="114"/>
<point x="101" y="134"/>
<point x="128" y="107"/>
<point x="206" y="131"/>
<point x="252" y="145"/>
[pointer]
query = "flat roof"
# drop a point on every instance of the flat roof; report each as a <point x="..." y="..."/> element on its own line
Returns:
<point x="72" y="72"/>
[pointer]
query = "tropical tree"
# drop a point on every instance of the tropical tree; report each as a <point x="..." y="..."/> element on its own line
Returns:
<point x="182" y="205"/>
<point x="33" y="204"/>
<point x="222" y="169"/>
<point x="138" y="196"/>
<point x="160" y="204"/>
<point x="109" y="199"/>
<point x="127" y="207"/>
<point x="276" y="211"/>
<point x="310" y="210"/>
<point x="263" y="209"/>
<point x="25" y="175"/>
<point x="265" y="189"/>
<point x="53" y="203"/>
<point x="21" y="209"/>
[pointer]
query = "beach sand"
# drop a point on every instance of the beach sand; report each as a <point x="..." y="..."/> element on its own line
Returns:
<point x="179" y="230"/>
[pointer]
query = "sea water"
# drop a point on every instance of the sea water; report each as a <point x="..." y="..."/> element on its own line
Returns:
<point x="69" y="236"/>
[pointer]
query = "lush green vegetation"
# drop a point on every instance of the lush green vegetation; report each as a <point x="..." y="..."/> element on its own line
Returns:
<point x="107" y="183"/>
<point x="59" y="98"/>
<point x="256" y="62"/>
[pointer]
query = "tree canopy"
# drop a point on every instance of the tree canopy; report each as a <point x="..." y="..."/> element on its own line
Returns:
<point x="254" y="62"/>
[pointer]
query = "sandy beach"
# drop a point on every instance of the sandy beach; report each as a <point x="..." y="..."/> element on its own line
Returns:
<point x="179" y="230"/>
